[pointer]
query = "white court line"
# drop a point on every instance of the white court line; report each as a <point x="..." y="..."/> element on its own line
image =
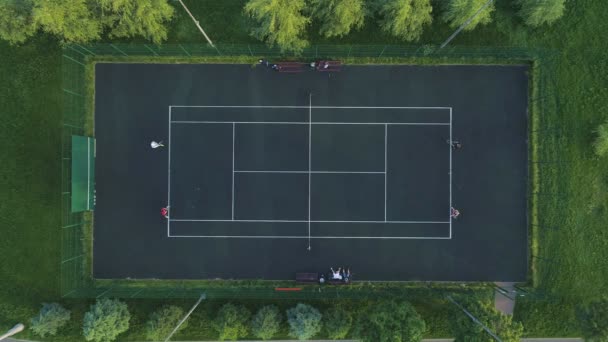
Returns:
<point x="313" y="123"/>
<point x="385" y="168"/>
<point x="320" y="107"/>
<point x="306" y="172"/>
<point x="233" y="139"/>
<point x="314" y="237"/>
<point x="450" y="147"/>
<point x="312" y="221"/>
<point x="309" y="159"/>
<point x="169" y="176"/>
<point x="88" y="173"/>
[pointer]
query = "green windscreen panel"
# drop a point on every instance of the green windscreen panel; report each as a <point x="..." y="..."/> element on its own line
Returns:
<point x="83" y="173"/>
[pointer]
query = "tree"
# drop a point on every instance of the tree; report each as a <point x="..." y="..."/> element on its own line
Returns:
<point x="128" y="18"/>
<point x="594" y="321"/>
<point x="405" y="18"/>
<point x="337" y="323"/>
<point x="16" y="20"/>
<point x="71" y="20"/>
<point x="232" y="322"/>
<point x="266" y="322"/>
<point x="457" y="12"/>
<point x="304" y="321"/>
<point x="538" y="12"/>
<point x="52" y="317"/>
<point x="390" y="321"/>
<point x="338" y="17"/>
<point x="601" y="142"/>
<point x="105" y="320"/>
<point x="162" y="322"/>
<point x="279" y="22"/>
<point x="464" y="329"/>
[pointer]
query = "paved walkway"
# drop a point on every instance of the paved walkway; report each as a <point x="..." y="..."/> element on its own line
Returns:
<point x="504" y="298"/>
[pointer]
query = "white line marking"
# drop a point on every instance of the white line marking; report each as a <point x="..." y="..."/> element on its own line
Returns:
<point x="385" y="168"/>
<point x="314" y="123"/>
<point x="88" y="173"/>
<point x="320" y="107"/>
<point x="169" y="175"/>
<point x="309" y="159"/>
<point x="312" y="221"/>
<point x="306" y="172"/>
<point x="233" y="139"/>
<point x="314" y="237"/>
<point x="450" y="147"/>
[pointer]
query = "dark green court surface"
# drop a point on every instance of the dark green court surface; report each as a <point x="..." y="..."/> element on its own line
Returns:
<point x="267" y="174"/>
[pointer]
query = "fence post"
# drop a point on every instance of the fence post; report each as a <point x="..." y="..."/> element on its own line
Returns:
<point x="382" y="52"/>
<point x="85" y="49"/>
<point x="187" y="53"/>
<point x="117" y="49"/>
<point x="147" y="47"/>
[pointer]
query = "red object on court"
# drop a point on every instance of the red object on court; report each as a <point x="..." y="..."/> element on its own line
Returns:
<point x="288" y="289"/>
<point x="164" y="211"/>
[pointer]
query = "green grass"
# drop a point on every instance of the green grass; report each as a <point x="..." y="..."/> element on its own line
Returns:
<point x="30" y="117"/>
<point x="572" y="213"/>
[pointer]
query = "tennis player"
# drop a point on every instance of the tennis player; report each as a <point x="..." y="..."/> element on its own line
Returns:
<point x="164" y="212"/>
<point x="155" y="144"/>
<point x="454" y="213"/>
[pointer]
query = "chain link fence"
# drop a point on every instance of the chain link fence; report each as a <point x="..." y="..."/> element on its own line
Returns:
<point x="76" y="229"/>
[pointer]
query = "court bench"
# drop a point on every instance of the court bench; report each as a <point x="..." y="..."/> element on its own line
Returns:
<point x="332" y="66"/>
<point x="307" y="278"/>
<point x="313" y="278"/>
<point x="291" y="67"/>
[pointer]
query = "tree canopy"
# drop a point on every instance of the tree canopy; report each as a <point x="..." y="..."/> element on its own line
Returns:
<point x="16" y="20"/>
<point x="81" y="21"/>
<point x="390" y="321"/>
<point x="279" y="22"/>
<point x="266" y="322"/>
<point x="72" y="21"/>
<point x="231" y="322"/>
<point x="337" y="323"/>
<point x="338" y="17"/>
<point x="405" y="19"/>
<point x="465" y="329"/>
<point x="146" y="18"/>
<point x="304" y="321"/>
<point x="162" y="322"/>
<point x="457" y="12"/>
<point x="601" y="141"/>
<point x="538" y="12"/>
<point x="105" y="320"/>
<point x="52" y="316"/>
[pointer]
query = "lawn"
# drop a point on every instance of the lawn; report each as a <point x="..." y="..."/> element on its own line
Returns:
<point x="572" y="236"/>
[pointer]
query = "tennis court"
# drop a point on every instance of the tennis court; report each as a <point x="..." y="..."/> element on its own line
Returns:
<point x="266" y="174"/>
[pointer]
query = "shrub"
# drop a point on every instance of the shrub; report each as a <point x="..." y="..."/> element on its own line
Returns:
<point x="266" y="322"/>
<point x="337" y="323"/>
<point x="162" y="322"/>
<point x="601" y="142"/>
<point x="458" y="12"/>
<point x="464" y="329"/>
<point x="52" y="316"/>
<point x="105" y="320"/>
<point x="232" y="322"/>
<point x="390" y="321"/>
<point x="538" y="12"/>
<point x="594" y="321"/>
<point x="304" y="321"/>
